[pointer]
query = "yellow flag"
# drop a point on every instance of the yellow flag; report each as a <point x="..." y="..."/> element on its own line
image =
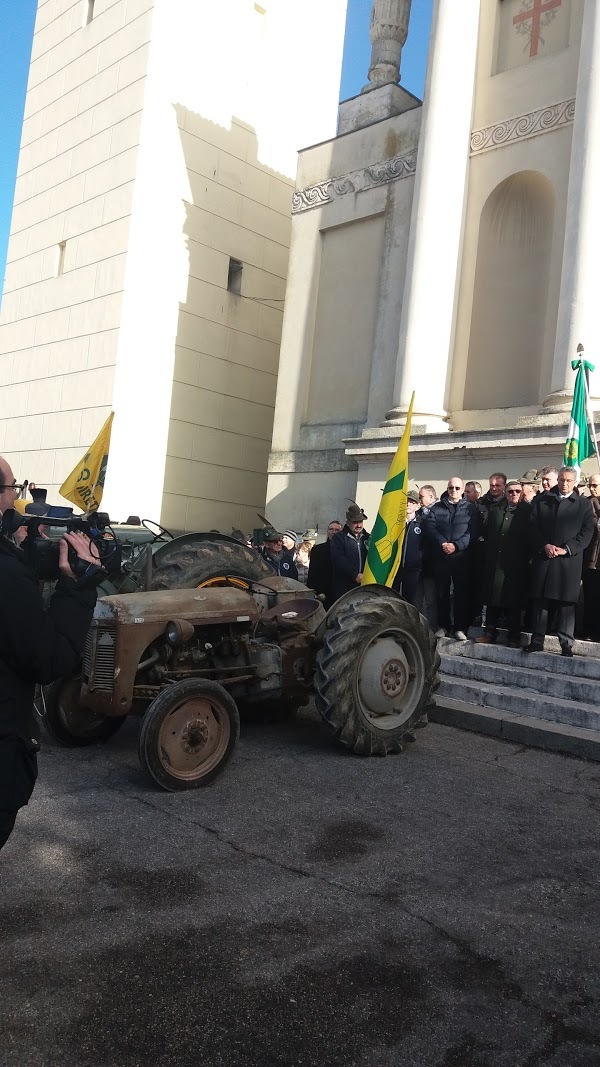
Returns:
<point x="387" y="538"/>
<point x="85" y="484"/>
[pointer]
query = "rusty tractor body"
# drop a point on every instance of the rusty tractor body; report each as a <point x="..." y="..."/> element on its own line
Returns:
<point x="188" y="659"/>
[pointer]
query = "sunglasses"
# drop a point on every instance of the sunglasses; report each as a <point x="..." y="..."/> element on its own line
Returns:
<point x="513" y="490"/>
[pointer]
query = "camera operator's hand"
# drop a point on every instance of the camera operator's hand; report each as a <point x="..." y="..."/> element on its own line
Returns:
<point x="82" y="546"/>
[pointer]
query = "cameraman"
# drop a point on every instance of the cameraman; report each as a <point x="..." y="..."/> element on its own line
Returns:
<point x="36" y="646"/>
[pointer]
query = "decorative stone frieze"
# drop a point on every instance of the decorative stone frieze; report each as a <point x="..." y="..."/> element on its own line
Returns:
<point x="523" y="126"/>
<point x="388" y="170"/>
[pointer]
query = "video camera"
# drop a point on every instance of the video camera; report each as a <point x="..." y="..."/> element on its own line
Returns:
<point x="42" y="550"/>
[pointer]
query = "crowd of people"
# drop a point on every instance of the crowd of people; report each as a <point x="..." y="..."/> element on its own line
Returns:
<point x="521" y="555"/>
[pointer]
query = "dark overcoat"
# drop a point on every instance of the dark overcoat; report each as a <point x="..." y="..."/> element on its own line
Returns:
<point x="348" y="558"/>
<point x="568" y="524"/>
<point x="506" y="552"/>
<point x="36" y="645"/>
<point x="319" y="571"/>
<point x="591" y="556"/>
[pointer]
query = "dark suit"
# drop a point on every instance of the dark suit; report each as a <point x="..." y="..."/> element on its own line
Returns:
<point x="320" y="572"/>
<point x="567" y="523"/>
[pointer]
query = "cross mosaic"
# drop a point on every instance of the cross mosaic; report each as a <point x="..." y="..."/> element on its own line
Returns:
<point x="532" y="20"/>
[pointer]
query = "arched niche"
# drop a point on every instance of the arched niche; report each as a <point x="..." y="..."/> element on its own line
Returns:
<point x="511" y="294"/>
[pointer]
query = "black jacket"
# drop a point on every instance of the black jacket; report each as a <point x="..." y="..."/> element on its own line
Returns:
<point x="284" y="566"/>
<point x="506" y="554"/>
<point x="348" y="558"/>
<point x="36" y="646"/>
<point x="568" y="524"/>
<point x="412" y="546"/>
<point x="456" y="524"/>
<point x="320" y="571"/>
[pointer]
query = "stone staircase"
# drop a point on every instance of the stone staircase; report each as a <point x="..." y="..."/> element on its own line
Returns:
<point x="544" y="699"/>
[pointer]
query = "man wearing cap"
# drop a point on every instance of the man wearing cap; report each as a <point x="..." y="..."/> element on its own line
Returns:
<point x="349" y="549"/>
<point x="320" y="567"/>
<point x="408" y="574"/>
<point x="530" y="485"/>
<point x="275" y="554"/>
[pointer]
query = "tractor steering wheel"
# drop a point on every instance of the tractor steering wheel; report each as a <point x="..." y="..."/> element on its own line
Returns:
<point x="160" y="536"/>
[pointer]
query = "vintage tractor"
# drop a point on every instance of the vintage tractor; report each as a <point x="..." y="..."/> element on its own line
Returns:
<point x="220" y="632"/>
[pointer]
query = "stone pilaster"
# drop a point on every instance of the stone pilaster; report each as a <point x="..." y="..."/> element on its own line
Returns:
<point x="437" y="216"/>
<point x="578" y="321"/>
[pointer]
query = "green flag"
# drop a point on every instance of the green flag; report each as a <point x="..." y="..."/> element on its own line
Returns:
<point x="579" y="444"/>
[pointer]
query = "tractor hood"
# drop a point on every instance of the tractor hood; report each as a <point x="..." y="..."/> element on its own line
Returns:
<point x="204" y="606"/>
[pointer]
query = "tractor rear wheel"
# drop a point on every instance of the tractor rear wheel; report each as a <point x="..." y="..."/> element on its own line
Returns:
<point x="69" y="722"/>
<point x="376" y="671"/>
<point x="188" y="734"/>
<point x="205" y="562"/>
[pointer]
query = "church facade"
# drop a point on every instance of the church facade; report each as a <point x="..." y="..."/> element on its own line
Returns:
<point x="447" y="248"/>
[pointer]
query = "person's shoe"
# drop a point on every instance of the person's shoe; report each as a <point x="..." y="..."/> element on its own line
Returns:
<point x="485" y="639"/>
<point x="566" y="650"/>
<point x="533" y="648"/>
<point x="460" y="635"/>
<point x="441" y="632"/>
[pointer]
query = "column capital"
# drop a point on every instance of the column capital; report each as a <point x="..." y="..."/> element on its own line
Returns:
<point x="389" y="30"/>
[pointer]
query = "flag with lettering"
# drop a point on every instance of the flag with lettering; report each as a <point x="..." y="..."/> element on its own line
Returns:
<point x="85" y="484"/>
<point x="387" y="537"/>
<point x="579" y="444"/>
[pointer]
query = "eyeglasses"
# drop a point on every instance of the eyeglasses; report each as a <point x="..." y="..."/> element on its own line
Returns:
<point x="513" y="490"/>
<point x="16" y="486"/>
<point x="454" y="488"/>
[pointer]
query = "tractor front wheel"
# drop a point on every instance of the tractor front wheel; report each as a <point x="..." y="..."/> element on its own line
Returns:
<point x="188" y="734"/>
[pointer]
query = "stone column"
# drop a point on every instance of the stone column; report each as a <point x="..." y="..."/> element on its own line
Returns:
<point x="389" y="30"/>
<point x="578" y="321"/>
<point x="437" y="215"/>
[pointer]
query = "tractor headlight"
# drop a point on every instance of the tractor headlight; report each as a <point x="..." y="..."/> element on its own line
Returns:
<point x="178" y="632"/>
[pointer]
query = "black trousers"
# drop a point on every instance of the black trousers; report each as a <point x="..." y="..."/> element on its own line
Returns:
<point x="7" y="822"/>
<point x="591" y="603"/>
<point x="565" y="627"/>
<point x="455" y="570"/>
<point x="513" y="619"/>
<point x="406" y="583"/>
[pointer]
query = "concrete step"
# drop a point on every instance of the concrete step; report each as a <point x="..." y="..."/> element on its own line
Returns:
<point x="589" y="649"/>
<point x="582" y="665"/>
<point x="520" y="702"/>
<point x="526" y="677"/>
<point x="521" y="730"/>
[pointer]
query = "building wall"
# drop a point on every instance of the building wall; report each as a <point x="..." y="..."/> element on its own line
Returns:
<point x="58" y="335"/>
<point x="342" y="314"/>
<point x="174" y="126"/>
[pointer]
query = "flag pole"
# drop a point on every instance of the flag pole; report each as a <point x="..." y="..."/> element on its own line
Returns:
<point x="588" y="406"/>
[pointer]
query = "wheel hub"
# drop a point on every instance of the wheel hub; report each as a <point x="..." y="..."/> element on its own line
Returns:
<point x="384" y="676"/>
<point x="194" y="735"/>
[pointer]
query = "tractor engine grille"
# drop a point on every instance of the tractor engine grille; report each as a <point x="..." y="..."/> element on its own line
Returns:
<point x="99" y="658"/>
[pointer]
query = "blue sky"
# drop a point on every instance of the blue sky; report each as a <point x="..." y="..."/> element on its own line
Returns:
<point x="16" y="31"/>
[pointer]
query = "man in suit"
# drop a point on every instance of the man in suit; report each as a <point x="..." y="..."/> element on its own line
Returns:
<point x="319" y="567"/>
<point x="562" y="528"/>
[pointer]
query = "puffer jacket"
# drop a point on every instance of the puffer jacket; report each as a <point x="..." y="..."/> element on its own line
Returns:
<point x="456" y="524"/>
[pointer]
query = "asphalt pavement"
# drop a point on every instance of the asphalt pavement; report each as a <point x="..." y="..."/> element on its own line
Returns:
<point x="436" y="909"/>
